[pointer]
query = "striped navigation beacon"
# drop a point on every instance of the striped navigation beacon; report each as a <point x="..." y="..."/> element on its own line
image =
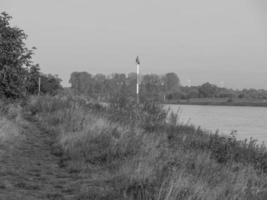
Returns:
<point x="137" y="78"/>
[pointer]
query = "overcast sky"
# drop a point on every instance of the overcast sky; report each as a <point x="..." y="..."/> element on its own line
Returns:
<point x="220" y="41"/>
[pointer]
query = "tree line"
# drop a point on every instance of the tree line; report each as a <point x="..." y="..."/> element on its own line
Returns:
<point x="19" y="75"/>
<point x="152" y="86"/>
<point x="105" y="87"/>
<point x="208" y="90"/>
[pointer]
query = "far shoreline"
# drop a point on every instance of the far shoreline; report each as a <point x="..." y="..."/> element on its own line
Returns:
<point x="216" y="102"/>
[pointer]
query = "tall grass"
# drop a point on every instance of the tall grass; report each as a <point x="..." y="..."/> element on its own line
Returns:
<point x="11" y="123"/>
<point x="132" y="152"/>
<point x="8" y="130"/>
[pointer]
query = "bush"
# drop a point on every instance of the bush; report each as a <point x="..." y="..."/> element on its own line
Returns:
<point x="149" y="115"/>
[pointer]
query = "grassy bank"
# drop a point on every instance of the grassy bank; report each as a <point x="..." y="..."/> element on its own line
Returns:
<point x="133" y="153"/>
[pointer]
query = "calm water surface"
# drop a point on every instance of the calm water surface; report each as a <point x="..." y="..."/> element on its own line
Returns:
<point x="247" y="121"/>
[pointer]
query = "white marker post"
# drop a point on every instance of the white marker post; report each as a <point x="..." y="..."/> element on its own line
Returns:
<point x="137" y="79"/>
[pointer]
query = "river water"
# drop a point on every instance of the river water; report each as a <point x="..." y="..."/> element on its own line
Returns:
<point x="245" y="121"/>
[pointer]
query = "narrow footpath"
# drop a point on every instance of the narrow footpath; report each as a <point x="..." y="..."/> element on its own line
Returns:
<point x="29" y="170"/>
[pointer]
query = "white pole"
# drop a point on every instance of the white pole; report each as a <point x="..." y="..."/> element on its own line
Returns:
<point x="137" y="78"/>
<point x="137" y="82"/>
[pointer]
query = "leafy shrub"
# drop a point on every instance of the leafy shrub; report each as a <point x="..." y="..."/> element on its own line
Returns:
<point x="152" y="115"/>
<point x="149" y="115"/>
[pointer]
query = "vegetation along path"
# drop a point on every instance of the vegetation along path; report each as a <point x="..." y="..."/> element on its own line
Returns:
<point x="32" y="169"/>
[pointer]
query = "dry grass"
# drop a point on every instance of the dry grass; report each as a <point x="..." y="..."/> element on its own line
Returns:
<point x="11" y="122"/>
<point x="8" y="130"/>
<point x="172" y="162"/>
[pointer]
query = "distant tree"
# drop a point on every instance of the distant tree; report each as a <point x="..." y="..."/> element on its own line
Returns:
<point x="50" y="84"/>
<point x="207" y="90"/>
<point x="118" y="80"/>
<point x="151" y="87"/>
<point x="33" y="79"/>
<point x="15" y="59"/>
<point x="117" y="84"/>
<point x="171" y="82"/>
<point x="99" y="85"/>
<point x="82" y="83"/>
<point x="132" y="77"/>
<point x="226" y="93"/>
<point x="190" y="92"/>
<point x="74" y="81"/>
<point x="131" y="83"/>
<point x="262" y="94"/>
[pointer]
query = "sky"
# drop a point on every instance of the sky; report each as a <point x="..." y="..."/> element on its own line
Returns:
<point x="219" y="41"/>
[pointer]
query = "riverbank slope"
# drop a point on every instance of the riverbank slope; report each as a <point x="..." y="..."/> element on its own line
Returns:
<point x="75" y="150"/>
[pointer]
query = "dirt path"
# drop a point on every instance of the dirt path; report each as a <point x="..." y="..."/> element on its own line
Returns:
<point x="29" y="170"/>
